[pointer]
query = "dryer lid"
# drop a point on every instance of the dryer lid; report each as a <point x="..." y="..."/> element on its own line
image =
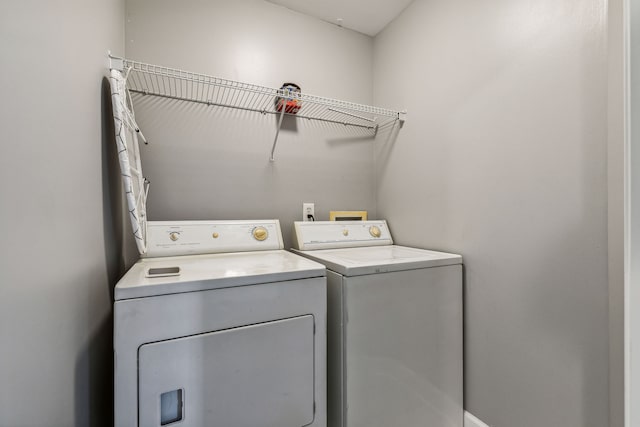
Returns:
<point x="213" y="271"/>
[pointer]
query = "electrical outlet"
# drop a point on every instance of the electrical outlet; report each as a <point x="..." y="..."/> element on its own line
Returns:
<point x="308" y="209"/>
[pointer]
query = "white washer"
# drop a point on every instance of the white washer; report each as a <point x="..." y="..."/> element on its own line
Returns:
<point x="231" y="339"/>
<point x="394" y="331"/>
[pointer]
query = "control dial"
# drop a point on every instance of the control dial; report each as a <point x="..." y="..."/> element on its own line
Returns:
<point x="174" y="236"/>
<point x="375" y="231"/>
<point x="260" y="233"/>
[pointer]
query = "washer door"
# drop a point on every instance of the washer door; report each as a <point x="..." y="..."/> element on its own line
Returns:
<point x="259" y="375"/>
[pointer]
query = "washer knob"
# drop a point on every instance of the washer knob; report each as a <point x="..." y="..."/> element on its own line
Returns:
<point x="345" y="232"/>
<point x="174" y="236"/>
<point x="375" y="231"/>
<point x="215" y="235"/>
<point x="260" y="233"/>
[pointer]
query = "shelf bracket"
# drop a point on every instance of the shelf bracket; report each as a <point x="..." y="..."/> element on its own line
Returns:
<point x="275" y="141"/>
<point x="115" y="63"/>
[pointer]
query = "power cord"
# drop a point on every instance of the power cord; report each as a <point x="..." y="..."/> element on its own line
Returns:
<point x="310" y="217"/>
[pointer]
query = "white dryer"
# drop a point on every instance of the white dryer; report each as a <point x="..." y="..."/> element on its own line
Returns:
<point x="231" y="339"/>
<point x="394" y="327"/>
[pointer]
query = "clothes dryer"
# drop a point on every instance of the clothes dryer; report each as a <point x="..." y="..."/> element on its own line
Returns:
<point x="235" y="338"/>
<point x="394" y="327"/>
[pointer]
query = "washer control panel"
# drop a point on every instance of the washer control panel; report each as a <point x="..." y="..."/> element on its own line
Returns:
<point x="171" y="238"/>
<point x="311" y="235"/>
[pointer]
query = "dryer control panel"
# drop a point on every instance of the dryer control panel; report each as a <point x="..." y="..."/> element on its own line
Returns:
<point x="171" y="238"/>
<point x="314" y="235"/>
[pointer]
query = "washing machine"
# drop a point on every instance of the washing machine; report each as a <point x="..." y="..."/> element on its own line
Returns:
<point x="394" y="331"/>
<point x="219" y="326"/>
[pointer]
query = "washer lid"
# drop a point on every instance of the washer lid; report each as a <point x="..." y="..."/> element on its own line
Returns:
<point x="171" y="275"/>
<point x="379" y="259"/>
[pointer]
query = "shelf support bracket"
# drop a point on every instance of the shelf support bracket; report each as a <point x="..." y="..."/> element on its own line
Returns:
<point x="275" y="141"/>
<point x="115" y="63"/>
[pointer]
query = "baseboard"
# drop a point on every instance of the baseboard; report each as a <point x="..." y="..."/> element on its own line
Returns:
<point x="472" y="421"/>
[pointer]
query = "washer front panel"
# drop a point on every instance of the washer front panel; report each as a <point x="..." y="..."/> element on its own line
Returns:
<point x="403" y="349"/>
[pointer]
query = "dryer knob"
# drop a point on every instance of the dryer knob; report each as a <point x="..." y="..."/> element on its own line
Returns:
<point x="260" y="233"/>
<point x="375" y="231"/>
<point x="174" y="236"/>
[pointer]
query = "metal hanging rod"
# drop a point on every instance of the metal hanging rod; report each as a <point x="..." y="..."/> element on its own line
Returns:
<point x="200" y="88"/>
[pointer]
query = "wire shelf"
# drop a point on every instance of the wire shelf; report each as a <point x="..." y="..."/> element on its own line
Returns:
<point x="200" y="88"/>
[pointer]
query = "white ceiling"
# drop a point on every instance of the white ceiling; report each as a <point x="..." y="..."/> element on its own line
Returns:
<point x="365" y="16"/>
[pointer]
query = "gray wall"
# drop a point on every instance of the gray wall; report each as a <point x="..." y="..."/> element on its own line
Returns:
<point x="60" y="253"/>
<point x="213" y="163"/>
<point x="504" y="159"/>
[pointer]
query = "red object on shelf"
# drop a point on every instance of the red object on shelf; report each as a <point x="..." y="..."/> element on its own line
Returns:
<point x="291" y="106"/>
